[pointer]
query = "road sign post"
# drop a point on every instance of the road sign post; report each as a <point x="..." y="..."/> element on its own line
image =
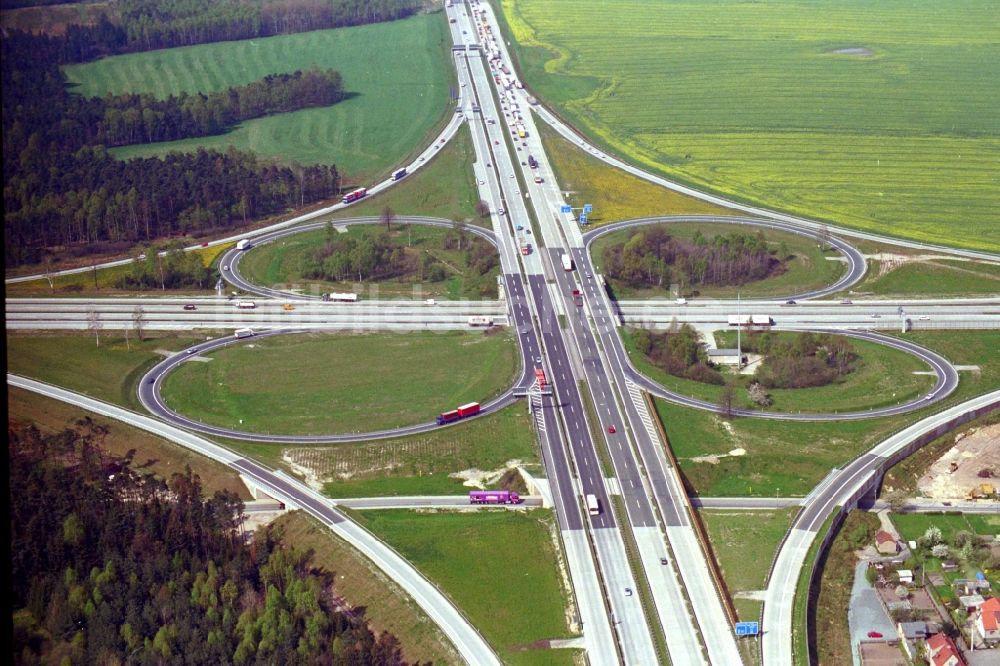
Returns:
<point x="747" y="628"/>
<point x="565" y="209"/>
<point x="588" y="208"/>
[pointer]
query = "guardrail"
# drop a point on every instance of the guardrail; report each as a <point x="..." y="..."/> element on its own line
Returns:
<point x="721" y="589"/>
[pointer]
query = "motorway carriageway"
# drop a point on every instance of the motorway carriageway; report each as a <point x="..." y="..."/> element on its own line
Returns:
<point x="220" y="314"/>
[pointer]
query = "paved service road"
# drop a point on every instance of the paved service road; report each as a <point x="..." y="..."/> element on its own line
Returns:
<point x="463" y="635"/>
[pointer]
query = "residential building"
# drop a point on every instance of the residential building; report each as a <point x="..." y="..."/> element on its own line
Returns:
<point x="886" y="543"/>
<point x="942" y="651"/>
<point x="988" y="621"/>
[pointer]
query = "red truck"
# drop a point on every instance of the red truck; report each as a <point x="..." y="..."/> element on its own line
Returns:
<point x="494" y="497"/>
<point x="462" y="412"/>
<point x="351" y="197"/>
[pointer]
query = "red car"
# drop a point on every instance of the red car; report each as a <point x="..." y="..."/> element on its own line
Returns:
<point x="611" y="429"/>
<point x="874" y="634"/>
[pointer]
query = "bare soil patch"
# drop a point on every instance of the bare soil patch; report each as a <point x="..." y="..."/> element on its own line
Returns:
<point x="855" y="51"/>
<point x="956" y="473"/>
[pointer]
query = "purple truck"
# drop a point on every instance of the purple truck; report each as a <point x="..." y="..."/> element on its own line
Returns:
<point x="493" y="497"/>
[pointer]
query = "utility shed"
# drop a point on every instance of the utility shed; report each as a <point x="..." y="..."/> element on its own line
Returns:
<point x="724" y="356"/>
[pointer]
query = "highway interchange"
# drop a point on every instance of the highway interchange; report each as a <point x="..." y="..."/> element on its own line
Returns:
<point x="590" y="373"/>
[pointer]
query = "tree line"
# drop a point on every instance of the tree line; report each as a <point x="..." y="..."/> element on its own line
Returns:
<point x="133" y="118"/>
<point x="653" y="258"/>
<point x="112" y="566"/>
<point x="61" y="187"/>
<point x="176" y="269"/>
<point x="806" y="360"/>
<point x="145" y="25"/>
<point x="679" y="352"/>
<point x="381" y="256"/>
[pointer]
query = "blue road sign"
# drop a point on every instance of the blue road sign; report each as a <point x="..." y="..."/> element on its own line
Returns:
<point x="747" y="628"/>
<point x="588" y="208"/>
<point x="565" y="209"/>
<point x="583" y="218"/>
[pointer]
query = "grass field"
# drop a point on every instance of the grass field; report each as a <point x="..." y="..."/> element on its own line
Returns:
<point x="153" y="455"/>
<point x="73" y="360"/>
<point x="445" y="187"/>
<point x="744" y="543"/>
<point x="782" y="458"/>
<point x="363" y="585"/>
<point x="337" y="383"/>
<point x="615" y="195"/>
<point x="879" y="117"/>
<point x="807" y="269"/>
<point x="499" y="567"/>
<point x="398" y="73"/>
<point x="420" y="464"/>
<point x="912" y="526"/>
<point x="791" y="458"/>
<point x="884" y="377"/>
<point x="281" y="264"/>
<point x="937" y="278"/>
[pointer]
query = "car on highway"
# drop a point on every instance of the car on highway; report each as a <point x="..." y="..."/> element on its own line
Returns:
<point x="519" y="227"/>
<point x="482" y="182"/>
<point x="846" y="301"/>
<point x="612" y="429"/>
<point x="929" y="396"/>
<point x="663" y="561"/>
<point x="874" y="634"/>
<point x="588" y="275"/>
<point x="190" y="351"/>
<point x="924" y="317"/>
<point x="205" y="244"/>
<point x="496" y="142"/>
<point x="225" y="268"/>
<point x="628" y="591"/>
<point x="538" y="359"/>
<point x="790" y="302"/>
<point x="511" y="175"/>
<point x="190" y="306"/>
<point x="876" y="315"/>
<point x="500" y="211"/>
<point x="151" y="380"/>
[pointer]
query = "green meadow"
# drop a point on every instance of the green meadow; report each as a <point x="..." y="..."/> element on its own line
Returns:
<point x="397" y="75"/>
<point x="878" y="116"/>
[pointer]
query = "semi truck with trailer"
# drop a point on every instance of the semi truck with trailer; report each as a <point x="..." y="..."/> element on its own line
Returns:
<point x="359" y="193"/>
<point x="480" y="320"/>
<point x="246" y="305"/>
<point x="593" y="508"/>
<point x="335" y="297"/>
<point x="243" y="333"/>
<point x="400" y="174"/>
<point x="462" y="412"/>
<point x="567" y="262"/>
<point x="750" y="320"/>
<point x="243" y="244"/>
<point x="494" y="497"/>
